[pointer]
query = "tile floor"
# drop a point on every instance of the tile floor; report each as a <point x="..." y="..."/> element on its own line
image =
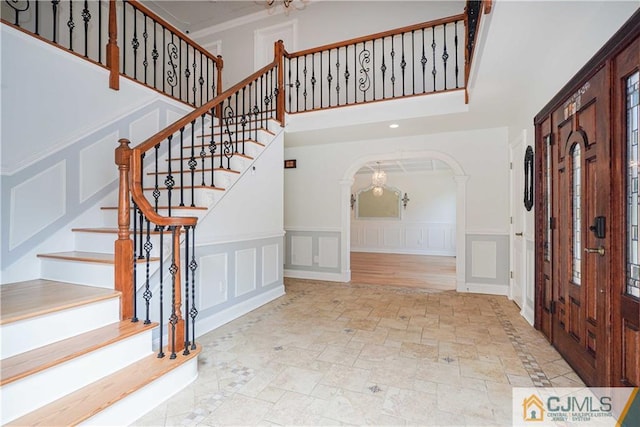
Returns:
<point x="334" y="354"/>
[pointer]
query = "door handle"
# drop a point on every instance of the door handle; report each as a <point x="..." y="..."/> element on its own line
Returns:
<point x="599" y="251"/>
<point x="519" y="234"/>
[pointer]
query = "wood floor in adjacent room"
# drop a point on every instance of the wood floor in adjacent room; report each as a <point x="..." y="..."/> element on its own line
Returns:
<point x="416" y="271"/>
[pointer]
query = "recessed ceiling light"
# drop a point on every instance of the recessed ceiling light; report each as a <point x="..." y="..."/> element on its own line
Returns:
<point x="394" y="125"/>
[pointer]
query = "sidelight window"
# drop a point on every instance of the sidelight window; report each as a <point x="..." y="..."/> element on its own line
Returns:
<point x="633" y="207"/>
<point x="577" y="215"/>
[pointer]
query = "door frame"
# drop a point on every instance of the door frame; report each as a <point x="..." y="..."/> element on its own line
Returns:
<point x="516" y="155"/>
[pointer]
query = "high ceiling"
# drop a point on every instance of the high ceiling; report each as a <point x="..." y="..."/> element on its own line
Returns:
<point x="405" y="166"/>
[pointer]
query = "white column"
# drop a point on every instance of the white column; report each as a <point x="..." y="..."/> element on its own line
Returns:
<point x="461" y="231"/>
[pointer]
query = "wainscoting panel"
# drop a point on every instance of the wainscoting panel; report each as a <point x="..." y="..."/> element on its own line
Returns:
<point x="270" y="265"/>
<point x="214" y="280"/>
<point x="403" y="237"/>
<point x="95" y="172"/>
<point x="37" y="202"/>
<point x="487" y="263"/>
<point x="320" y="251"/>
<point x="144" y="127"/>
<point x="245" y="271"/>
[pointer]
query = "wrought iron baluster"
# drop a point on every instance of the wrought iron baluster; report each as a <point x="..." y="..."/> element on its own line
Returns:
<point x="71" y="25"/>
<point x="181" y="161"/>
<point x="156" y="188"/>
<point x="403" y="65"/>
<point x="21" y="7"/>
<point x="179" y="73"/>
<point x="383" y="68"/>
<point x="124" y="36"/>
<point x="164" y="58"/>
<point x="194" y="66"/>
<point x="203" y="153"/>
<point x="304" y="73"/>
<point x="338" y="76"/>
<point x="456" y="50"/>
<point x="140" y="255"/>
<point x="445" y="55"/>
<point x="187" y="72"/>
<point x="169" y="182"/>
<point x="186" y="289"/>
<point x="221" y="120"/>
<point x="133" y="260"/>
<point x="244" y="118"/>
<point x="236" y="123"/>
<point x="228" y="134"/>
<point x="256" y="109"/>
<point x="86" y="17"/>
<point x="212" y="145"/>
<point x="172" y="74"/>
<point x="297" y="84"/>
<point x="37" y="17"/>
<point x="54" y="10"/>
<point x="201" y="79"/>
<point x="364" y="82"/>
<point x="329" y="77"/>
<point x="145" y="37"/>
<point x="193" y="162"/>
<point x="289" y="81"/>
<point x="346" y="75"/>
<point x="161" y="295"/>
<point x="413" y="62"/>
<point x="147" y="294"/>
<point x="249" y="110"/>
<point x="173" y="270"/>
<point x="423" y="61"/>
<point x="154" y="56"/>
<point x="193" y="265"/>
<point x="433" y="48"/>
<point x="262" y="98"/>
<point x="313" y="81"/>
<point x="135" y="43"/>
<point x="393" y="68"/>
<point x="99" y="30"/>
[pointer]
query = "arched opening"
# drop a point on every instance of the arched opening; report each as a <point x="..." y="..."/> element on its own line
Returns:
<point x="460" y="204"/>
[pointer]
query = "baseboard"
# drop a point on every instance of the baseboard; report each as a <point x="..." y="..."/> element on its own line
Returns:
<point x="483" y="288"/>
<point x="342" y="277"/>
<point x="431" y="252"/>
<point x="227" y="315"/>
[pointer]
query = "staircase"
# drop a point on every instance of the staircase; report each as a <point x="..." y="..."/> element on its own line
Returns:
<point x="67" y="357"/>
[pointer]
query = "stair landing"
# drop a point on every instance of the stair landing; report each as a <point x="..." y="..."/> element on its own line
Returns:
<point x="23" y="300"/>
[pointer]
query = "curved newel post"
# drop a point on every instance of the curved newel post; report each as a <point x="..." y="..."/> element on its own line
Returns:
<point x="123" y="264"/>
<point x="176" y="330"/>
<point x="279" y="58"/>
<point x="113" y="51"/>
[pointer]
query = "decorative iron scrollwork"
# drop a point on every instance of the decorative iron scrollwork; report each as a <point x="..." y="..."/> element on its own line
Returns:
<point x="364" y="58"/>
<point x="172" y="75"/>
<point x="528" y="178"/>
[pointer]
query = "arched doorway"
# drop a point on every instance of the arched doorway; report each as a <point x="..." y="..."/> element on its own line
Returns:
<point x="460" y="178"/>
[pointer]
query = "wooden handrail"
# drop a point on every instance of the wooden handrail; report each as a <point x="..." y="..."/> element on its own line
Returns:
<point x="144" y="9"/>
<point x="375" y="36"/>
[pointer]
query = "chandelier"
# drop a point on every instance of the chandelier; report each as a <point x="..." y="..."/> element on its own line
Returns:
<point x="287" y="5"/>
<point x="378" y="180"/>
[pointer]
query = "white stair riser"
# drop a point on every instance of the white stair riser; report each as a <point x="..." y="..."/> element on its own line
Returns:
<point x="25" y="335"/>
<point x="202" y="197"/>
<point x="134" y="406"/>
<point x="85" y="273"/>
<point x="250" y="149"/>
<point x="237" y="163"/>
<point x="104" y="242"/>
<point x="34" y="391"/>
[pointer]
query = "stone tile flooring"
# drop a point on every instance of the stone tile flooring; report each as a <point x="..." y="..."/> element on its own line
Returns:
<point x="334" y="354"/>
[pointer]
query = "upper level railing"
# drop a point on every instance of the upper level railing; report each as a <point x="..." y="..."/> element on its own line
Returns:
<point x="128" y="39"/>
<point x="413" y="60"/>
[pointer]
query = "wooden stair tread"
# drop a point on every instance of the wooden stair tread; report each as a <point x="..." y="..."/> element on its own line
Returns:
<point x="39" y="359"/>
<point x="208" y="156"/>
<point x="24" y="300"/>
<point x="253" y="141"/>
<point x="177" y="187"/>
<point x="97" y="257"/>
<point x="202" y="208"/>
<point x="90" y="400"/>
<point x="260" y="129"/>
<point x="162" y="173"/>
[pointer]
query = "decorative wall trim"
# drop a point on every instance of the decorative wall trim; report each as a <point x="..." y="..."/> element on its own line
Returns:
<point x="316" y="251"/>
<point x="408" y="237"/>
<point x="318" y="275"/>
<point x="483" y="288"/>
<point x="492" y="248"/>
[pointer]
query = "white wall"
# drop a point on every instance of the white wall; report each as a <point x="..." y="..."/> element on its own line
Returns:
<point x="349" y="19"/>
<point x="313" y="197"/>
<point x="427" y="224"/>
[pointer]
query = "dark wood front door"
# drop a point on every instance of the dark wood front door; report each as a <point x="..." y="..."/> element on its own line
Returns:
<point x="581" y="176"/>
<point x="588" y="215"/>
